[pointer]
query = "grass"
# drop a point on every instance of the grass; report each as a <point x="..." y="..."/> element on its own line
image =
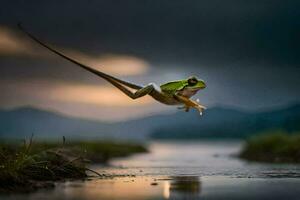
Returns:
<point x="95" y="151"/>
<point x="30" y="165"/>
<point x="274" y="147"/>
<point x="23" y="170"/>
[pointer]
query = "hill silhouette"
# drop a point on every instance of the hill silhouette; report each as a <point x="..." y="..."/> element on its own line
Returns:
<point x="217" y="122"/>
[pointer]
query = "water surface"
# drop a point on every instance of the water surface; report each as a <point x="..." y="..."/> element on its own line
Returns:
<point x="183" y="170"/>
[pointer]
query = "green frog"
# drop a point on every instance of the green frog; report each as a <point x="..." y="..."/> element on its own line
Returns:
<point x="171" y="93"/>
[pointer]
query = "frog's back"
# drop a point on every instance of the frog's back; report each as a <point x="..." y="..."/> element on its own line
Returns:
<point x="171" y="87"/>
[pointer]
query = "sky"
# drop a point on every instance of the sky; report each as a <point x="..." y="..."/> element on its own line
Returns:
<point x="246" y="51"/>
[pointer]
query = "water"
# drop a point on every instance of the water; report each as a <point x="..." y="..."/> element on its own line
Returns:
<point x="182" y="170"/>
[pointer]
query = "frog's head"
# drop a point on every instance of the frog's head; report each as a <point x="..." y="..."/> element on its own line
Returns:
<point x="193" y="83"/>
<point x="191" y="86"/>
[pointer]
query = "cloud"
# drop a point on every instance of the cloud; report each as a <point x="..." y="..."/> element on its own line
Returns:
<point x="79" y="100"/>
<point x="112" y="63"/>
<point x="98" y="95"/>
<point x="12" y="44"/>
<point x="45" y="90"/>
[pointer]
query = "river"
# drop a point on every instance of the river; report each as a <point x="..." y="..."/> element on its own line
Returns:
<point x="182" y="170"/>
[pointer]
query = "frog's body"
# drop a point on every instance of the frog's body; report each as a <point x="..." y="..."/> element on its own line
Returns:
<point x="182" y="87"/>
<point x="171" y="93"/>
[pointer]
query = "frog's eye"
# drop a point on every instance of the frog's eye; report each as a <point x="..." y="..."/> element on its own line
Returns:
<point x="192" y="81"/>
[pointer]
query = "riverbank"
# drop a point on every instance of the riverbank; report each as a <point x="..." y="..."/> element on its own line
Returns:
<point x="32" y="165"/>
<point x="273" y="147"/>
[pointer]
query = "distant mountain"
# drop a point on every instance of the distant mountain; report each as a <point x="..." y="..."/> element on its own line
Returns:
<point x="230" y="123"/>
<point x="218" y="122"/>
<point x="22" y="122"/>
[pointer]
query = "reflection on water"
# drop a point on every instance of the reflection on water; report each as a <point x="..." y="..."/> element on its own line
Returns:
<point x="191" y="188"/>
<point x="166" y="192"/>
<point x="187" y="170"/>
<point x="138" y="188"/>
<point x="186" y="187"/>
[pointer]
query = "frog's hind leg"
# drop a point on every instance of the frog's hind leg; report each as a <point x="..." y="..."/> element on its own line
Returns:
<point x="120" y="84"/>
<point x="138" y="93"/>
<point x="143" y="91"/>
<point x="107" y="77"/>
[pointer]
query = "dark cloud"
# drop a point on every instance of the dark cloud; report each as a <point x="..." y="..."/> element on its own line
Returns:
<point x="209" y="32"/>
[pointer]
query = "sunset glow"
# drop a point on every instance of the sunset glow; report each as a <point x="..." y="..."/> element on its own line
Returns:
<point x="11" y="44"/>
<point x="100" y="95"/>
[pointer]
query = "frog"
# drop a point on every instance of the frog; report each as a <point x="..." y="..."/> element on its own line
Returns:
<point x="177" y="92"/>
<point x="183" y="90"/>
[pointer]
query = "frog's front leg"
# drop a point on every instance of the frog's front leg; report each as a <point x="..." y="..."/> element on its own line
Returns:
<point x="188" y="103"/>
